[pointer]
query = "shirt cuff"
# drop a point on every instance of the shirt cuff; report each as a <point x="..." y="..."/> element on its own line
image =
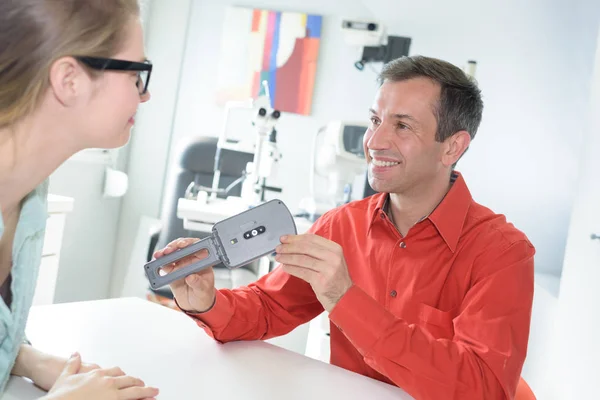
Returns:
<point x="216" y="318"/>
<point x="361" y="319"/>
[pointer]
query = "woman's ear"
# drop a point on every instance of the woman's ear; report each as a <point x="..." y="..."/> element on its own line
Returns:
<point x="455" y="147"/>
<point x="68" y="81"/>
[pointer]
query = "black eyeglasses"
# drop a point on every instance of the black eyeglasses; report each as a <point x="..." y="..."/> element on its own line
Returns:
<point x="143" y="69"/>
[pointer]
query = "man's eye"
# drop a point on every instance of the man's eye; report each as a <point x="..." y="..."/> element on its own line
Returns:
<point x="402" y="126"/>
<point x="374" y="121"/>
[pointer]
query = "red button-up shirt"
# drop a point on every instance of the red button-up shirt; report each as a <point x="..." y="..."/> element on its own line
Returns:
<point x="442" y="312"/>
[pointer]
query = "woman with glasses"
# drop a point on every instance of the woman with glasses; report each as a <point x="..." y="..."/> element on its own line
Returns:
<point x="72" y="75"/>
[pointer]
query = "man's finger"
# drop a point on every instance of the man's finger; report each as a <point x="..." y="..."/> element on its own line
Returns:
<point x="311" y="238"/>
<point x="306" y="248"/>
<point x="175" y="245"/>
<point x="301" y="260"/>
<point x="327" y="255"/>
<point x="182" y="243"/>
<point x="167" y="269"/>
<point x="170" y="246"/>
<point x="304" y="241"/>
<point x="305" y="274"/>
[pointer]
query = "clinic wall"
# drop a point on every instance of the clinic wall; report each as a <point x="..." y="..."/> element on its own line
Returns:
<point x="90" y="229"/>
<point x="575" y="356"/>
<point x="165" y="38"/>
<point x="535" y="60"/>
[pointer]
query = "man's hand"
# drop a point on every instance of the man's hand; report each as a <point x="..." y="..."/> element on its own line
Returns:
<point x="196" y="292"/>
<point x="318" y="261"/>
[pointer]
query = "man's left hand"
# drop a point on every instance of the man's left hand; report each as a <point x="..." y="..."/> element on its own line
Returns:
<point x="318" y="261"/>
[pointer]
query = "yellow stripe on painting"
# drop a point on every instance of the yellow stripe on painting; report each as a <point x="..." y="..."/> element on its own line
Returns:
<point x="303" y="18"/>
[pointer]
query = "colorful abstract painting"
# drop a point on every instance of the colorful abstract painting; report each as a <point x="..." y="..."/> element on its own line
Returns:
<point x="278" y="47"/>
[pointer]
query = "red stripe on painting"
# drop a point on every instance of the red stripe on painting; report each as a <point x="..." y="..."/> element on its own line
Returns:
<point x="255" y="20"/>
<point x="308" y="75"/>
<point x="288" y="80"/>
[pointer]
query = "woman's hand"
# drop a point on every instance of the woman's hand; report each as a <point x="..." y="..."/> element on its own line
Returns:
<point x="43" y="368"/>
<point x="98" y="384"/>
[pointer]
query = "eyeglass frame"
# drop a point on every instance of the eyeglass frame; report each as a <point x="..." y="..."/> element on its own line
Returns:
<point x="111" y="64"/>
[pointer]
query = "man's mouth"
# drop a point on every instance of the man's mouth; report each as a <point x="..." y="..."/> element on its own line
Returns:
<point x="383" y="163"/>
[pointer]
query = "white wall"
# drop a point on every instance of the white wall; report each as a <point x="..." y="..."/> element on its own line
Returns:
<point x="88" y="244"/>
<point x="165" y="35"/>
<point x="534" y="60"/>
<point x="576" y="349"/>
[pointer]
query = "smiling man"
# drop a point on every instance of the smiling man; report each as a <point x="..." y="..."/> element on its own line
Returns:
<point x="425" y="288"/>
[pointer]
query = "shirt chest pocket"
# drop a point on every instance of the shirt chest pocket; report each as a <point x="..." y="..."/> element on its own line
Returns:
<point x="437" y="322"/>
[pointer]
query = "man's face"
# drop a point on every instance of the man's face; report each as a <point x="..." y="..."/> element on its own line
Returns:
<point x="400" y="144"/>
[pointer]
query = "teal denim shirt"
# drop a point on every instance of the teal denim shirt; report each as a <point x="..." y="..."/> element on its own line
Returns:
<point x="26" y="257"/>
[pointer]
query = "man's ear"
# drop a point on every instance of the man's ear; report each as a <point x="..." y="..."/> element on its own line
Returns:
<point x="455" y="147"/>
<point x="68" y="80"/>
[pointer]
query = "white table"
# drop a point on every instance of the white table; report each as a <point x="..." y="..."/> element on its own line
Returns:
<point x="167" y="350"/>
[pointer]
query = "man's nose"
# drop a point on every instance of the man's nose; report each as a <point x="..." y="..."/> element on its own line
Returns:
<point x="379" y="138"/>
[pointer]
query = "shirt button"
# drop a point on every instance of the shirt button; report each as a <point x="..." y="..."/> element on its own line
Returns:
<point x="382" y="215"/>
<point x="393" y="293"/>
<point x="403" y="245"/>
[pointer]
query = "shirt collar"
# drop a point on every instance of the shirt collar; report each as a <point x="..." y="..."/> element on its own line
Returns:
<point x="448" y="217"/>
<point x="378" y="212"/>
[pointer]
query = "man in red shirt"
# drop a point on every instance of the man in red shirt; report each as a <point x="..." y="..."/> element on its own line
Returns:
<point x="425" y="288"/>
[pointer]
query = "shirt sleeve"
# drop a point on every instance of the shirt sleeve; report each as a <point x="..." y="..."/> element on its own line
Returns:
<point x="484" y="358"/>
<point x="273" y="306"/>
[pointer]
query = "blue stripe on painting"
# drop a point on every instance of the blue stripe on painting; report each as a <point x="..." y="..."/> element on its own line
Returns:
<point x="273" y="62"/>
<point x="272" y="85"/>
<point x="313" y="26"/>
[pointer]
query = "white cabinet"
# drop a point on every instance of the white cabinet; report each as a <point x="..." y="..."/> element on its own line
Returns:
<point x="46" y="283"/>
<point x="58" y="208"/>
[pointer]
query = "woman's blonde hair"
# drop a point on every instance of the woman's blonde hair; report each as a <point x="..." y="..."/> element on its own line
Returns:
<point x="35" y="33"/>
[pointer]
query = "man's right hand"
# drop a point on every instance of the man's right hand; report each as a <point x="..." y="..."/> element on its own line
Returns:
<point x="196" y="292"/>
